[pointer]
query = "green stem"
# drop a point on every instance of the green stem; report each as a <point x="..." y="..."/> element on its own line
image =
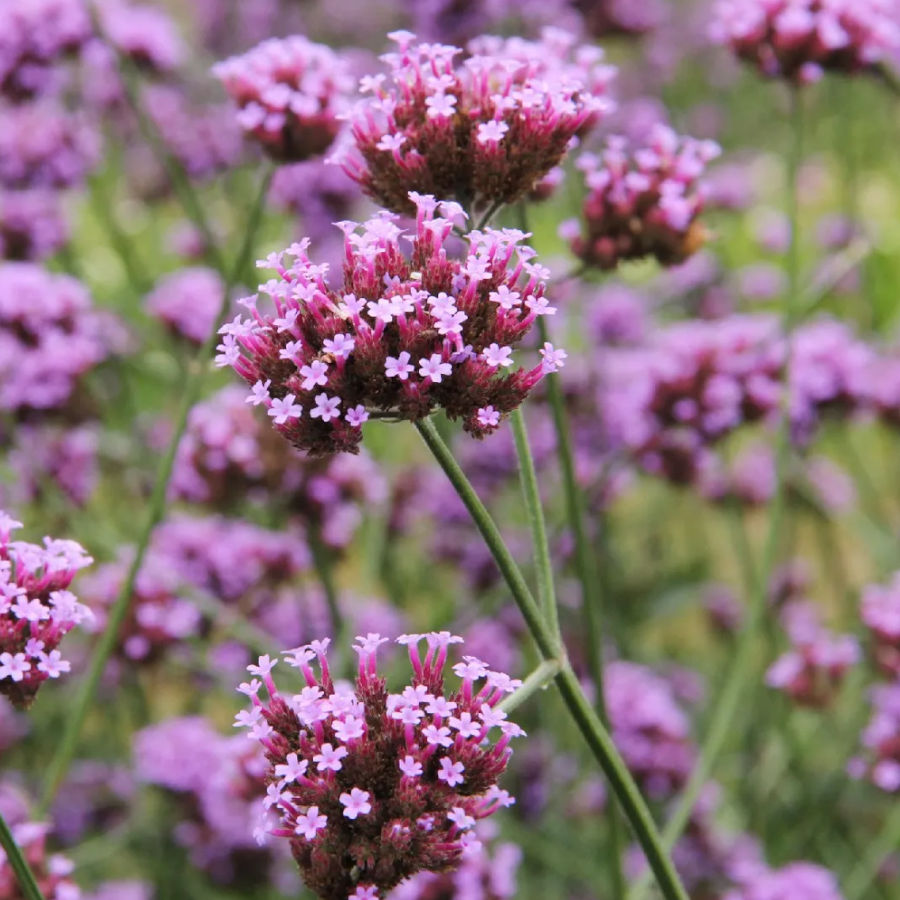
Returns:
<point x="545" y="589"/>
<point x="178" y="179"/>
<point x="17" y="862"/>
<point x="739" y="675"/>
<point x="888" y="839"/>
<point x="550" y="646"/>
<point x="536" y="681"/>
<point x="65" y="751"/>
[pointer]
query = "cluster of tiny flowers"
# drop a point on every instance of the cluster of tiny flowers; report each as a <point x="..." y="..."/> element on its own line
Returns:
<point x="642" y="201"/>
<point x="795" y="881"/>
<point x="372" y="787"/>
<point x="196" y="557"/>
<point x="43" y="146"/>
<point x="880" y="762"/>
<point x="230" y="454"/>
<point x="649" y="727"/>
<point x="880" y="613"/>
<point x="36" y="610"/>
<point x="812" y="671"/>
<point x="49" y="336"/>
<point x="401" y="338"/>
<point x="483" y="132"/>
<point x="49" y="456"/>
<point x="188" y="302"/>
<point x="291" y="95"/>
<point x="219" y="780"/>
<point x="801" y="39"/>
<point x="31" y="224"/>
<point x="51" y="871"/>
<point x="147" y="35"/>
<point x="33" y="37"/>
<point x="671" y="399"/>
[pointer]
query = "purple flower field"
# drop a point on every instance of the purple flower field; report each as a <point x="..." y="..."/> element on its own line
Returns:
<point x="449" y="450"/>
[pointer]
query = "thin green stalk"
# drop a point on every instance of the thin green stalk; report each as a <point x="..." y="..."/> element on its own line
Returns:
<point x="625" y="790"/>
<point x="888" y="839"/>
<point x="178" y="179"/>
<point x="739" y="675"/>
<point x="536" y="681"/>
<point x="17" y="861"/>
<point x="65" y="751"/>
<point x="546" y="591"/>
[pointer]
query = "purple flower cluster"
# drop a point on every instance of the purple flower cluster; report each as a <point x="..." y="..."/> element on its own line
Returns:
<point x="880" y="613"/>
<point x="188" y="302"/>
<point x="50" y="334"/>
<point x="372" y="787"/>
<point x="42" y="146"/>
<point x="400" y="338"/>
<point x="33" y="37"/>
<point x="190" y="557"/>
<point x="812" y="671"/>
<point x="31" y="224"/>
<point x="795" y="881"/>
<point x="483" y="132"/>
<point x="230" y="455"/>
<point x="145" y="34"/>
<point x="51" y="870"/>
<point x="219" y="781"/>
<point x="880" y="762"/>
<point x="642" y="201"/>
<point x="36" y="610"/>
<point x="291" y="94"/>
<point x="649" y="727"/>
<point x="801" y="39"/>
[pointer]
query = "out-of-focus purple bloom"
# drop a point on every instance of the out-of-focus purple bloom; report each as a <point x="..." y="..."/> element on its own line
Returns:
<point x="641" y="201"/>
<point x="188" y="301"/>
<point x="120" y="890"/>
<point x="812" y="671"/>
<point x="483" y="132"/>
<point x="95" y="797"/>
<point x="617" y="315"/>
<point x="761" y="281"/>
<point x="32" y="225"/>
<point x="49" y="335"/>
<point x="801" y="39"/>
<point x="41" y="146"/>
<point x="880" y="613"/>
<point x="145" y="34"/>
<point x="291" y="94"/>
<point x="621" y="17"/>
<point x="795" y="881"/>
<point x="230" y="454"/>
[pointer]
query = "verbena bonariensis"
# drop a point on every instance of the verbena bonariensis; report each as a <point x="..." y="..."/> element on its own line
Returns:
<point x="41" y="145"/>
<point x="401" y="337"/>
<point x="291" y="93"/>
<point x="33" y="37"/>
<point x="880" y="762"/>
<point x="36" y="610"/>
<point x="188" y="301"/>
<point x="483" y="132"/>
<point x="812" y="671"/>
<point x="801" y="39"/>
<point x="880" y="613"/>
<point x="229" y="456"/>
<point x="220" y="781"/>
<point x="50" y="334"/>
<point x="642" y="201"/>
<point x="32" y="225"/>
<point x="795" y="881"/>
<point x="370" y="786"/>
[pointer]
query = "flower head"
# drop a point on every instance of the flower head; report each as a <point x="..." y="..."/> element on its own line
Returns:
<point x="36" y="610"/>
<point x="483" y="130"/>
<point x="402" y="336"/>
<point x="642" y="201"/>
<point x="291" y="93"/>
<point x="377" y="790"/>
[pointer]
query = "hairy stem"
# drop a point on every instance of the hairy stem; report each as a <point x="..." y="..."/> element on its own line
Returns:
<point x="595" y="733"/>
